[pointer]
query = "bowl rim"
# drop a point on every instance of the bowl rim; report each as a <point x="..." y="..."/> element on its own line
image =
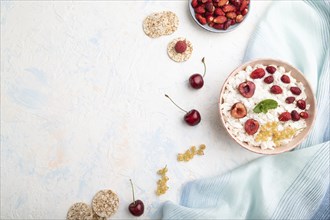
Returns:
<point x="211" y="29"/>
<point x="307" y="85"/>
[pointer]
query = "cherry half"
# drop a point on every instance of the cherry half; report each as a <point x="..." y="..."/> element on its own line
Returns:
<point x="136" y="208"/>
<point x="196" y="80"/>
<point x="192" y="117"/>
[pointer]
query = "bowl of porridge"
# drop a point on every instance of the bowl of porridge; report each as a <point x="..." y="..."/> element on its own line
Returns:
<point x="267" y="106"/>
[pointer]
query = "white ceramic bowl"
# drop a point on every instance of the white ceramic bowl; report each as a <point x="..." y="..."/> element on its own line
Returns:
<point x="310" y="100"/>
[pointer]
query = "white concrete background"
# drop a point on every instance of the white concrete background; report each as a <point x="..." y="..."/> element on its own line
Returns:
<point x="83" y="106"/>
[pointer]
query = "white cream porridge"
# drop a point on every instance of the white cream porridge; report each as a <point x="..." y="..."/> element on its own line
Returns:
<point x="264" y="106"/>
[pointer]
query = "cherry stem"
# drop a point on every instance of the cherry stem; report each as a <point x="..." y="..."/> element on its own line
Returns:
<point x="132" y="190"/>
<point x="175" y="103"/>
<point x="203" y="61"/>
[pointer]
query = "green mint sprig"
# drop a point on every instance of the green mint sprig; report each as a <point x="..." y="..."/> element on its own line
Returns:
<point x="265" y="105"/>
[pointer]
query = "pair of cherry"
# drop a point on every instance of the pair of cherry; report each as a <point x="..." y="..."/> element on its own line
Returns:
<point x="196" y="81"/>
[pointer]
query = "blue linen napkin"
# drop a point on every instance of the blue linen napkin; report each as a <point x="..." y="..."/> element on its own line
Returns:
<point x="293" y="185"/>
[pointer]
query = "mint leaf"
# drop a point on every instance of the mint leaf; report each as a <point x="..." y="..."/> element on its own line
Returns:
<point x="258" y="109"/>
<point x="265" y="105"/>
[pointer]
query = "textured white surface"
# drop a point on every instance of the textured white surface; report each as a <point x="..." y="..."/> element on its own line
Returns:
<point x="83" y="106"/>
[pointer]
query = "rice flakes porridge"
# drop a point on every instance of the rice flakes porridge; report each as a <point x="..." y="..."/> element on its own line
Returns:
<point x="272" y="127"/>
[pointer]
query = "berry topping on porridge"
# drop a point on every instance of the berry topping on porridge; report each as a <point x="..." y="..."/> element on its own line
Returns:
<point x="251" y="126"/>
<point x="238" y="110"/>
<point x="264" y="106"/>
<point x="247" y="89"/>
<point x="258" y="73"/>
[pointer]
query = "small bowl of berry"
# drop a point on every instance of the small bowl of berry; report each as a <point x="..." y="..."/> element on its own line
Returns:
<point x="219" y="16"/>
<point x="267" y="106"/>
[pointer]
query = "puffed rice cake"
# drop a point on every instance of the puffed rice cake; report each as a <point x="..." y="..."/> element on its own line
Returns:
<point x="105" y="203"/>
<point x="160" y="23"/>
<point x="97" y="217"/>
<point x="79" y="211"/>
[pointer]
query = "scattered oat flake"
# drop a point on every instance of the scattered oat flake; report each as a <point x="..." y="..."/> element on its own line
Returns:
<point x="179" y="57"/>
<point x="160" y="23"/>
<point x="79" y="210"/>
<point x="105" y="203"/>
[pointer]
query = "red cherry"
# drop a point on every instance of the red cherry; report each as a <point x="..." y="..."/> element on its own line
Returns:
<point x="304" y="115"/>
<point x="192" y="117"/>
<point x="301" y="104"/>
<point x="295" y="115"/>
<point x="275" y="89"/>
<point x="285" y="116"/>
<point x="136" y="208"/>
<point x="251" y="126"/>
<point x="271" y="69"/>
<point x="258" y="73"/>
<point x="196" y="80"/>
<point x="285" y="79"/>
<point x="180" y="46"/>
<point x="290" y="99"/>
<point x="295" y="90"/>
<point x="247" y="89"/>
<point x="269" y="79"/>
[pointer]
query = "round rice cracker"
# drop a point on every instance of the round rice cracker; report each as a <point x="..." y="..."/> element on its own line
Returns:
<point x="105" y="203"/>
<point x="96" y="217"/>
<point x="179" y="57"/>
<point x="80" y="211"/>
<point x="160" y="23"/>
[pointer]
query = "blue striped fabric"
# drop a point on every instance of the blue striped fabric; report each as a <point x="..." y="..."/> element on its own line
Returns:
<point x="262" y="189"/>
<point x="293" y="185"/>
